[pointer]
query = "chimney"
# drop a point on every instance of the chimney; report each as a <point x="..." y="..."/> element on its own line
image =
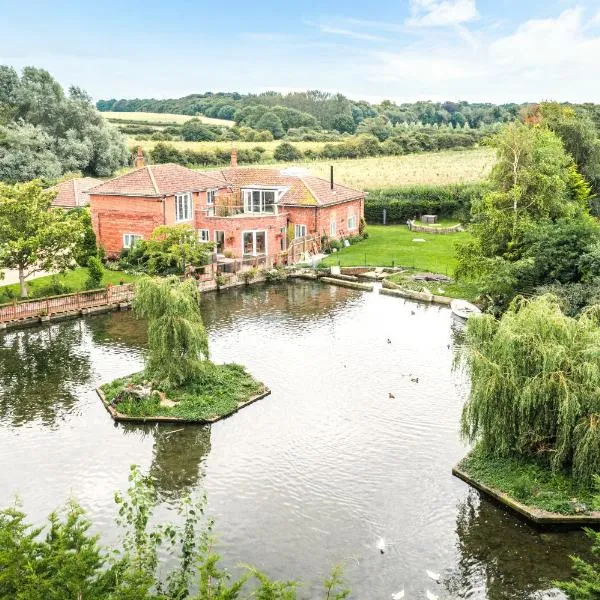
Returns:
<point x="233" y="158"/>
<point x="139" y="159"/>
<point x="331" y="177"/>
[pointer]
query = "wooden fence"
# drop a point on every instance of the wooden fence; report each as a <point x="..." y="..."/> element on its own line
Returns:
<point x="67" y="303"/>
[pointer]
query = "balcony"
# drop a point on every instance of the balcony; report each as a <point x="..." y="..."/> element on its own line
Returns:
<point x="227" y="211"/>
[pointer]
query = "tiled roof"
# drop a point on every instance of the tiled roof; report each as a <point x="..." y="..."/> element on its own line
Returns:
<point x="156" y="181"/>
<point x="303" y="190"/>
<point x="71" y="193"/>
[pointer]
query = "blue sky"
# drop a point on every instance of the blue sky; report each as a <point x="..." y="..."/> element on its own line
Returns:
<point x="404" y="50"/>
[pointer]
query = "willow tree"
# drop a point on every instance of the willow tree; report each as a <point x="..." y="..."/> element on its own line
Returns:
<point x="535" y="385"/>
<point x="177" y="340"/>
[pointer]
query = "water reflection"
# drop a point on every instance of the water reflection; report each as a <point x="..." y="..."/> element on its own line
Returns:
<point x="178" y="456"/>
<point x="497" y="551"/>
<point x="40" y="371"/>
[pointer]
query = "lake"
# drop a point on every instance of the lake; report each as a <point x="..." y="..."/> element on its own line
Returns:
<point x="356" y="442"/>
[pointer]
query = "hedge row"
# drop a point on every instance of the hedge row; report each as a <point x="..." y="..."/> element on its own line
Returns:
<point x="404" y="203"/>
<point x="167" y="153"/>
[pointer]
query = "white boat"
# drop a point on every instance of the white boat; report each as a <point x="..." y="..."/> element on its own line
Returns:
<point x="462" y="309"/>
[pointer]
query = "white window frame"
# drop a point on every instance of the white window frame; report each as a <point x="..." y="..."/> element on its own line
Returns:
<point x="254" y="232"/>
<point x="184" y="207"/>
<point x="351" y="222"/>
<point x="203" y="235"/>
<point x="332" y="227"/>
<point x="299" y="230"/>
<point x="248" y="201"/>
<point x="130" y="239"/>
<point x="210" y="202"/>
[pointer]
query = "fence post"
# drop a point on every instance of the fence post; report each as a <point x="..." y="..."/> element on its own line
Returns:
<point x="47" y="307"/>
<point x="78" y="301"/>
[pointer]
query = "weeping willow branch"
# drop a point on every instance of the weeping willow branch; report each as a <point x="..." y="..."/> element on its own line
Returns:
<point x="177" y="340"/>
<point x="535" y="385"/>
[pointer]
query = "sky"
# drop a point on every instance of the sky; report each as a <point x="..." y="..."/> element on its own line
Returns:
<point x="403" y="50"/>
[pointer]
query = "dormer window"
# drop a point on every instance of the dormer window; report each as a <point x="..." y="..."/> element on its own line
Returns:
<point x="183" y="207"/>
<point x="260" y="201"/>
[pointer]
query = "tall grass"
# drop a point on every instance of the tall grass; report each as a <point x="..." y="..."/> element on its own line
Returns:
<point x="163" y="118"/>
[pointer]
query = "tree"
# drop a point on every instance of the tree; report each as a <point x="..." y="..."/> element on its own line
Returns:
<point x="196" y="131"/>
<point x="344" y="123"/>
<point x="287" y="152"/>
<point x="95" y="273"/>
<point x="33" y="237"/>
<point x="271" y="122"/>
<point x="177" y="341"/>
<point x="378" y="126"/>
<point x="46" y="133"/>
<point x="170" y="249"/>
<point x="535" y="374"/>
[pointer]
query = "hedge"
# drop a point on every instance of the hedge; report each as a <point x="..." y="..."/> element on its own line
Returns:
<point x="404" y="203"/>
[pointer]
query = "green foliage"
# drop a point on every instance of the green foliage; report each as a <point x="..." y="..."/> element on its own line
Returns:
<point x="404" y="203"/>
<point x="534" y="380"/>
<point x="96" y="273"/>
<point x="34" y="238"/>
<point x="196" y="131"/>
<point x="45" y="133"/>
<point x="177" y="341"/>
<point x="286" y="152"/>
<point x="170" y="249"/>
<point x="87" y="247"/>
<point x="269" y="121"/>
<point x="68" y="563"/>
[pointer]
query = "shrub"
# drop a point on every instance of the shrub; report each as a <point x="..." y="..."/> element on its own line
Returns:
<point x="95" y="273"/>
<point x="286" y="152"/>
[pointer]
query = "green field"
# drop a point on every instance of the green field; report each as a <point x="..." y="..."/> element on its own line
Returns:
<point x="163" y="118"/>
<point x="393" y="245"/>
<point x="73" y="280"/>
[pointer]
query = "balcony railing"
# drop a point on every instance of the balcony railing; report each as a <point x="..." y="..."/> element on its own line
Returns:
<point x="234" y="211"/>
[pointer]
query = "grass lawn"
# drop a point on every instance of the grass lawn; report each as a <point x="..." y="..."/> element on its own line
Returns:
<point x="392" y="245"/>
<point x="218" y="393"/>
<point x="162" y="118"/>
<point x="530" y="482"/>
<point x="71" y="281"/>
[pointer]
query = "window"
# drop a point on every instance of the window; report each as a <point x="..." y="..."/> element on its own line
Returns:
<point x="129" y="239"/>
<point x="283" y="240"/>
<point x="210" y="202"/>
<point x="351" y="222"/>
<point x="332" y="227"/>
<point x="299" y="230"/>
<point x="219" y="242"/>
<point x="183" y="207"/>
<point x="259" y="201"/>
<point x="254" y="243"/>
<point x="203" y="235"/>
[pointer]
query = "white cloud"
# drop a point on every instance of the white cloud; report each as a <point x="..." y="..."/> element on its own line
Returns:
<point x="441" y="13"/>
<point x="355" y="35"/>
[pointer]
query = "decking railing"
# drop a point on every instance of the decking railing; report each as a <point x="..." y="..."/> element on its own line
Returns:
<point x="67" y="303"/>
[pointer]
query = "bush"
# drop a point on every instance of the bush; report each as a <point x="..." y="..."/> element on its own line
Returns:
<point x="286" y="152"/>
<point x="54" y="288"/>
<point x="95" y="273"/>
<point x="404" y="203"/>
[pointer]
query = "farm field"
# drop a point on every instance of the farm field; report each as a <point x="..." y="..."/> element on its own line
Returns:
<point x="162" y="118"/>
<point x="393" y="245"/>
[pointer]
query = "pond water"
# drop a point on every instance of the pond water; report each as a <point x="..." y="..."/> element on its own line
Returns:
<point x="308" y="477"/>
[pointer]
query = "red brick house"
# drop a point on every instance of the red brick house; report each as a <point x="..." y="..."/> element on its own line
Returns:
<point x="246" y="212"/>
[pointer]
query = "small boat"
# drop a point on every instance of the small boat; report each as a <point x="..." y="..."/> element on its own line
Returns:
<point x="462" y="310"/>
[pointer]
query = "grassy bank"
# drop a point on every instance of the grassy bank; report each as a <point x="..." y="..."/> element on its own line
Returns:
<point x="217" y="393"/>
<point x="64" y="283"/>
<point x="393" y="245"/>
<point x="530" y="482"/>
<point x="465" y="290"/>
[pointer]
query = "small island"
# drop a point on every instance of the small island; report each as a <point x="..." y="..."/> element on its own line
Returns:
<point x="179" y="383"/>
<point x="533" y="411"/>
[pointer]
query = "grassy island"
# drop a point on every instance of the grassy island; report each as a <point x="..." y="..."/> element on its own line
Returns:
<point x="219" y="392"/>
<point x="179" y="382"/>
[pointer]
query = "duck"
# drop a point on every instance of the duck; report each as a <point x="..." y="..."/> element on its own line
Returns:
<point x="414" y="379"/>
<point x="381" y="545"/>
<point x="390" y="395"/>
<point x="389" y="341"/>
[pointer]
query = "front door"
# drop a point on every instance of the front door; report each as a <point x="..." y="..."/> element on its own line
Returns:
<point x="220" y="242"/>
